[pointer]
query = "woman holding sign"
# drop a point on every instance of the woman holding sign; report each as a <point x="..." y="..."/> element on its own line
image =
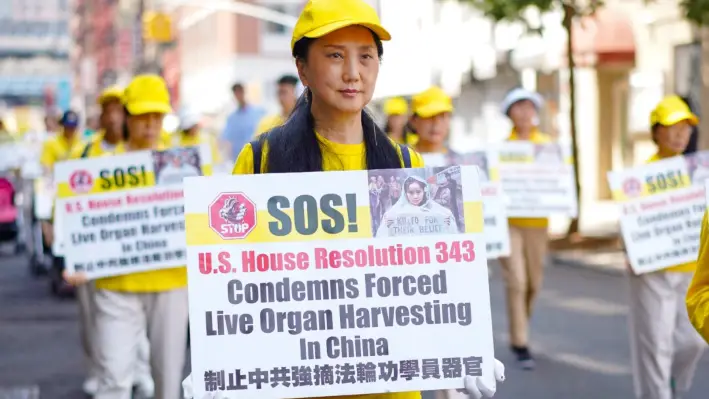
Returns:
<point x="337" y="49"/>
<point x="523" y="270"/>
<point x="104" y="143"/>
<point x="664" y="347"/>
<point x="154" y="302"/>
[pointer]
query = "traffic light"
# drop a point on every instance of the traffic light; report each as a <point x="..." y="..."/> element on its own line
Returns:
<point x="157" y="27"/>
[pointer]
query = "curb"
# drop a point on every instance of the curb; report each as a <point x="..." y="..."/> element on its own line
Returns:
<point x="565" y="261"/>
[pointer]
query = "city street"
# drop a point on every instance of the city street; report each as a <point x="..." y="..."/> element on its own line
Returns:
<point x="579" y="336"/>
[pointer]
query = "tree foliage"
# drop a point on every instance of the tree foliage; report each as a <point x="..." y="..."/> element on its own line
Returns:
<point x="514" y="10"/>
<point x="696" y="11"/>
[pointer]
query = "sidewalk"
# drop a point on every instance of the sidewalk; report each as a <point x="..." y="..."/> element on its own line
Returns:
<point x="609" y="260"/>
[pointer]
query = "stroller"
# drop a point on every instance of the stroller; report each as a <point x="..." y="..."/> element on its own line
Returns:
<point x="10" y="216"/>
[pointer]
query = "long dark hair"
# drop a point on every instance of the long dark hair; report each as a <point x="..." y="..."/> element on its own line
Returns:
<point x="294" y="147"/>
<point x="126" y="134"/>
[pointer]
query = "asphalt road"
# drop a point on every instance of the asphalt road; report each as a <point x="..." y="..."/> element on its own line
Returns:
<point x="579" y="336"/>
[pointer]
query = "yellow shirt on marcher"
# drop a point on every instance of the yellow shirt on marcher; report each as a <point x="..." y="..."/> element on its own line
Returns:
<point x="698" y="292"/>
<point x="96" y="145"/>
<point x="58" y="148"/>
<point x="182" y="139"/>
<point x="335" y="156"/>
<point x="150" y="281"/>
<point x="411" y="139"/>
<point x="685" y="267"/>
<point x="269" y="122"/>
<point x="536" y="137"/>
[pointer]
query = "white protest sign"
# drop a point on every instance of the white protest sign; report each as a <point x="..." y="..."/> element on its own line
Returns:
<point x="496" y="233"/>
<point x="538" y="179"/>
<point x="10" y="156"/>
<point x="662" y="204"/>
<point x="124" y="214"/>
<point x="292" y="296"/>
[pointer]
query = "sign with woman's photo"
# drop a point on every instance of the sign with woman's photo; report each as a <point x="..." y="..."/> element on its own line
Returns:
<point x="537" y="179"/>
<point x="306" y="277"/>
<point x="662" y="205"/>
<point x="496" y="227"/>
<point x="124" y="214"/>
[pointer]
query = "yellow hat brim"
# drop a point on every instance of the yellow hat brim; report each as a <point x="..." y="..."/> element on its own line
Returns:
<point x="140" y="108"/>
<point x="679" y="116"/>
<point x="433" y="109"/>
<point x="109" y="97"/>
<point x="379" y="30"/>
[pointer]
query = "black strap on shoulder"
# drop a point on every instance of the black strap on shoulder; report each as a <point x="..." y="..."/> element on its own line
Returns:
<point x="257" y="149"/>
<point x="87" y="149"/>
<point x="405" y="155"/>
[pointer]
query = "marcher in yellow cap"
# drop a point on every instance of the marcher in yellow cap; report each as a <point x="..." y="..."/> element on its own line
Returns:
<point x="111" y="124"/>
<point x="430" y="119"/>
<point x="102" y="143"/>
<point x="337" y="49"/>
<point x="396" y="110"/>
<point x="128" y="306"/>
<point x="664" y="347"/>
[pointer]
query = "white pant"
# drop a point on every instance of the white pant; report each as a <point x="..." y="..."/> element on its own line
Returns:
<point x="122" y="319"/>
<point x="85" y="295"/>
<point x="663" y="343"/>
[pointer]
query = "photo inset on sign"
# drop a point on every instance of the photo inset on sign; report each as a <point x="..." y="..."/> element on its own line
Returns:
<point x="171" y="166"/>
<point x="548" y="154"/>
<point x="479" y="159"/>
<point x="416" y="202"/>
<point x="698" y="166"/>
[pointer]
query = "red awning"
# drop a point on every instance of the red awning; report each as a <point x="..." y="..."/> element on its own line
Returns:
<point x="608" y="36"/>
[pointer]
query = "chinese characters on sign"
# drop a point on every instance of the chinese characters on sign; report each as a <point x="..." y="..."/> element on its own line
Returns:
<point x="291" y="294"/>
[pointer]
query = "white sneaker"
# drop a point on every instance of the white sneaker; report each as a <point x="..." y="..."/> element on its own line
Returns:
<point x="145" y="387"/>
<point x="91" y="386"/>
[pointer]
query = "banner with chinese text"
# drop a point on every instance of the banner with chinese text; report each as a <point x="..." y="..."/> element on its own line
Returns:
<point x="662" y="204"/>
<point x="309" y="285"/>
<point x="125" y="213"/>
<point x="537" y="179"/>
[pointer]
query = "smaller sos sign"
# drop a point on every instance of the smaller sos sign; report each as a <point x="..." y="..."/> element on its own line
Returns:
<point x="81" y="181"/>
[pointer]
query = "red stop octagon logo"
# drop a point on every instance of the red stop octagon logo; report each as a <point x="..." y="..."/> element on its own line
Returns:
<point x="632" y="187"/>
<point x="232" y="216"/>
<point x="81" y="181"/>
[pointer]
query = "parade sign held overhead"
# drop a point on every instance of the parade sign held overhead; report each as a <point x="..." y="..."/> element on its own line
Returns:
<point x="662" y="204"/>
<point x="124" y="214"/>
<point x="302" y="285"/>
<point x="537" y="179"/>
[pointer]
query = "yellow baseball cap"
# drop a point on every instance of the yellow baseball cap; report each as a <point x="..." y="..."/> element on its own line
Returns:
<point x="671" y="110"/>
<point x="396" y="106"/>
<point x="320" y="17"/>
<point x="147" y="94"/>
<point x="431" y="102"/>
<point x="110" y="93"/>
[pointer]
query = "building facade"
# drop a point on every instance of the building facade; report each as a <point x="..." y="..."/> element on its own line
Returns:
<point x="34" y="55"/>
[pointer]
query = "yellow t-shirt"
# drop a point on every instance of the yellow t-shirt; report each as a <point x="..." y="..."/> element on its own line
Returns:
<point x="96" y="147"/>
<point x="268" y="122"/>
<point x="184" y="140"/>
<point x="686" y="267"/>
<point x="150" y="281"/>
<point x="58" y="148"/>
<point x="536" y="137"/>
<point x="165" y="139"/>
<point x="698" y="292"/>
<point x="411" y="139"/>
<point x="335" y="157"/>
